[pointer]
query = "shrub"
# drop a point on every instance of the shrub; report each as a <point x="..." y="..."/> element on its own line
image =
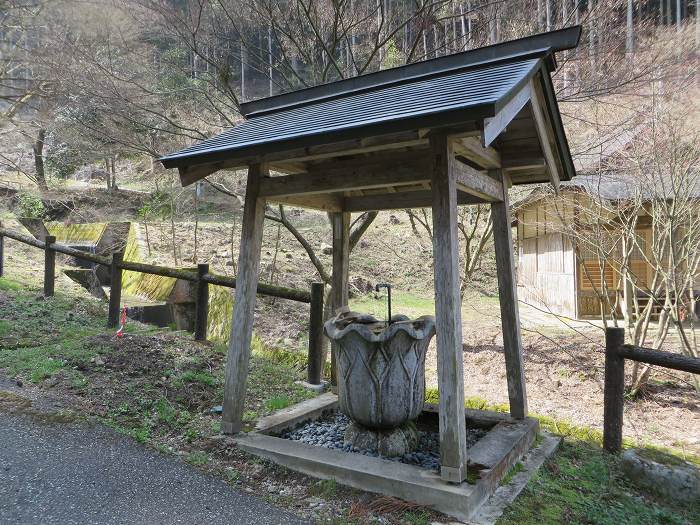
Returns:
<point x="30" y="206"/>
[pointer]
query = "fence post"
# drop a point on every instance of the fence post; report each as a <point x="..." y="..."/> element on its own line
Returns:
<point x="614" y="390"/>
<point x="202" y="304"/>
<point x="315" y="366"/>
<point x="49" y="265"/>
<point x="115" y="289"/>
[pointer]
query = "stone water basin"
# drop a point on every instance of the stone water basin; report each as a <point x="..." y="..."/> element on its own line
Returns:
<point x="381" y="379"/>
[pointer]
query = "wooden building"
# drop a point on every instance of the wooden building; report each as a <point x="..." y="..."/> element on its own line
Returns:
<point x="567" y="266"/>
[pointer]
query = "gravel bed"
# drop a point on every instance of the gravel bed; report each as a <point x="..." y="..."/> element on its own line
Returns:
<point x="328" y="432"/>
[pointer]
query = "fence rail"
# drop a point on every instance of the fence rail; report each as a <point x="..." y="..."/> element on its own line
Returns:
<point x="202" y="277"/>
<point x="616" y="351"/>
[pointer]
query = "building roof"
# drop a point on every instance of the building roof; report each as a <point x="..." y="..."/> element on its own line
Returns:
<point x="482" y="91"/>
<point x="611" y="186"/>
<point x="457" y="90"/>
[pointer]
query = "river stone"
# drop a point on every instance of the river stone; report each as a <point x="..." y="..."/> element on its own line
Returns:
<point x="666" y="475"/>
<point x="390" y="443"/>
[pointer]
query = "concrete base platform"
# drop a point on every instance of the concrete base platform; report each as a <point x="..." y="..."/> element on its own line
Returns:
<point x="490" y="458"/>
<point x="492" y="510"/>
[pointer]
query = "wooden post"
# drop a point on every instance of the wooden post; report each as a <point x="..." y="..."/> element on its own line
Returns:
<point x="453" y="443"/>
<point x="614" y="389"/>
<point x="244" y="305"/>
<point x="508" y="299"/>
<point x="49" y="266"/>
<point x="202" y="304"/>
<point x="340" y="224"/>
<point x="115" y="289"/>
<point x="315" y="366"/>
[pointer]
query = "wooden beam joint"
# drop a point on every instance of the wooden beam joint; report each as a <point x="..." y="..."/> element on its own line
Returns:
<point x="476" y="183"/>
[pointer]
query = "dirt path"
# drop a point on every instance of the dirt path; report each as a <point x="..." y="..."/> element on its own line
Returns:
<point x="564" y="375"/>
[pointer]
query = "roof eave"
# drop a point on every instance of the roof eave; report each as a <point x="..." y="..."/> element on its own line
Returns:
<point x="451" y="118"/>
<point x="569" y="171"/>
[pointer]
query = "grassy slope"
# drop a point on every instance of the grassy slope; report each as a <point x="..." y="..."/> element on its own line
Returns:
<point x="583" y="484"/>
<point x="150" y="383"/>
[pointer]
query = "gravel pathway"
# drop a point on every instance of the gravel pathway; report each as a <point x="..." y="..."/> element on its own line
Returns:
<point x="81" y="474"/>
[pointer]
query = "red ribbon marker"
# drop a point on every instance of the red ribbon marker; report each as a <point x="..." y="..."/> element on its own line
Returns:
<point x="120" y="332"/>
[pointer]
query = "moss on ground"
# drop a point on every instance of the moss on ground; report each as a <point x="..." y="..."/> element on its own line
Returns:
<point x="662" y="457"/>
<point x="583" y="484"/>
<point x="40" y="337"/>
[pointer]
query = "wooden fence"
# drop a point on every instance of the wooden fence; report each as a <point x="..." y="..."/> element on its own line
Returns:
<point x="202" y="277"/>
<point x="616" y="351"/>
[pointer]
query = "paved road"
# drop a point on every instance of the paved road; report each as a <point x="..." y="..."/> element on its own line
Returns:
<point x="80" y="474"/>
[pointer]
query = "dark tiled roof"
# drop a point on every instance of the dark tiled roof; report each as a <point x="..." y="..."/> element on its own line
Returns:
<point x="479" y="90"/>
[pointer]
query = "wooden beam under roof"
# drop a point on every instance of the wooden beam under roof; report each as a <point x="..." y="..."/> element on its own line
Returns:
<point x="280" y="160"/>
<point x="516" y="162"/>
<point x="494" y="126"/>
<point x="367" y="159"/>
<point x="350" y="175"/>
<point x="326" y="202"/>
<point x="471" y="149"/>
<point x="391" y="177"/>
<point x="322" y="183"/>
<point x="522" y="170"/>
<point x="477" y="183"/>
<point x="400" y="201"/>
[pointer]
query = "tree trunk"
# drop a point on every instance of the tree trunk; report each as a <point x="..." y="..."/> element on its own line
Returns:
<point x="148" y="237"/>
<point x="109" y="174"/>
<point x="39" y="160"/>
<point x="697" y="24"/>
<point x="591" y="36"/>
<point x="244" y="59"/>
<point x="196" y="225"/>
<point x="113" y="164"/>
<point x="629" y="42"/>
<point x="269" y="58"/>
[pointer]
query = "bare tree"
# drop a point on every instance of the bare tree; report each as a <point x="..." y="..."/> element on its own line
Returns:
<point x="475" y="229"/>
<point x="636" y="229"/>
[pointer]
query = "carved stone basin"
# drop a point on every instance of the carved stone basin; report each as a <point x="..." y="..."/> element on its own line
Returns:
<point x="381" y="377"/>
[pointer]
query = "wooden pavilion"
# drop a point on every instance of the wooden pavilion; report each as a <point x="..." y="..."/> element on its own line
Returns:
<point x="452" y="131"/>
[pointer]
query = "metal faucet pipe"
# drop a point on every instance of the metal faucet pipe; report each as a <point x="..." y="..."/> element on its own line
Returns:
<point x="388" y="295"/>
